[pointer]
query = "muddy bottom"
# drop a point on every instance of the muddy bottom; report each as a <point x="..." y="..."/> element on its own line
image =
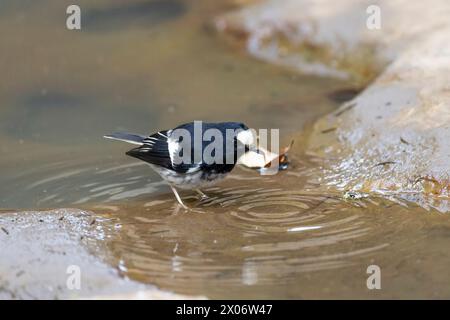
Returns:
<point x="281" y="236"/>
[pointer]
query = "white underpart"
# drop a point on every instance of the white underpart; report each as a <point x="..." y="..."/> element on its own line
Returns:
<point x="194" y="169"/>
<point x="188" y="181"/>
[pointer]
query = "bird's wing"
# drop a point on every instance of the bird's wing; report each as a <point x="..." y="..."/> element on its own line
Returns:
<point x="154" y="150"/>
<point x="159" y="149"/>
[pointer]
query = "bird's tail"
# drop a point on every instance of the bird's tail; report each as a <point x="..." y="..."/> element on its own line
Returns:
<point x="126" y="137"/>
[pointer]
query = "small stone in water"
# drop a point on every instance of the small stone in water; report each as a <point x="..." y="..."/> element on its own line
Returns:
<point x="354" y="195"/>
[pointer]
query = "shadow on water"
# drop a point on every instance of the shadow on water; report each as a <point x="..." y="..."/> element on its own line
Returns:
<point x="40" y="111"/>
<point x="142" y="14"/>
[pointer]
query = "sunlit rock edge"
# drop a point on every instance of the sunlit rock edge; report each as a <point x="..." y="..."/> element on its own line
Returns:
<point x="394" y="136"/>
<point x="39" y="247"/>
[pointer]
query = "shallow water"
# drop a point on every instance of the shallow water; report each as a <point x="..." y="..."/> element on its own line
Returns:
<point x="150" y="65"/>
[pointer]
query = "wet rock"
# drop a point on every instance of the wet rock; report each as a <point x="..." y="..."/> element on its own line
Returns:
<point x="311" y="36"/>
<point x="40" y="251"/>
<point x="331" y="38"/>
<point x="343" y="95"/>
<point x="394" y="135"/>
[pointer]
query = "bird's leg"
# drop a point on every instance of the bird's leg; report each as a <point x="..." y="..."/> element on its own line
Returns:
<point x="178" y="197"/>
<point x="202" y="195"/>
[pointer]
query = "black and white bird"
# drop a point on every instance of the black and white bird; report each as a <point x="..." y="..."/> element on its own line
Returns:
<point x="181" y="161"/>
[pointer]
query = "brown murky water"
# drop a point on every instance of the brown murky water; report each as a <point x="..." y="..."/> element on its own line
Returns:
<point x="149" y="65"/>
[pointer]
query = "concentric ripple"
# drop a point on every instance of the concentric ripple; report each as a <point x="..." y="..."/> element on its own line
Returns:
<point x="255" y="236"/>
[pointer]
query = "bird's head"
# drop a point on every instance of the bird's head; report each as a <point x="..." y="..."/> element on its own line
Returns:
<point x="246" y="139"/>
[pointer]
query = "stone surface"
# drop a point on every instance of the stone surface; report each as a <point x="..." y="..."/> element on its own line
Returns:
<point x="394" y="136"/>
<point x="37" y="248"/>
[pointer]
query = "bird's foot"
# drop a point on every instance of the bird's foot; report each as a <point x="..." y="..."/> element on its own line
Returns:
<point x="178" y="198"/>
<point x="202" y="195"/>
<point x="185" y="207"/>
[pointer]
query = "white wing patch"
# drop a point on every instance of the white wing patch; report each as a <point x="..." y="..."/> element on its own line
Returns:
<point x="174" y="149"/>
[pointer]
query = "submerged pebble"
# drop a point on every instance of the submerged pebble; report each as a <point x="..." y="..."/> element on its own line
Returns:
<point x="354" y="195"/>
